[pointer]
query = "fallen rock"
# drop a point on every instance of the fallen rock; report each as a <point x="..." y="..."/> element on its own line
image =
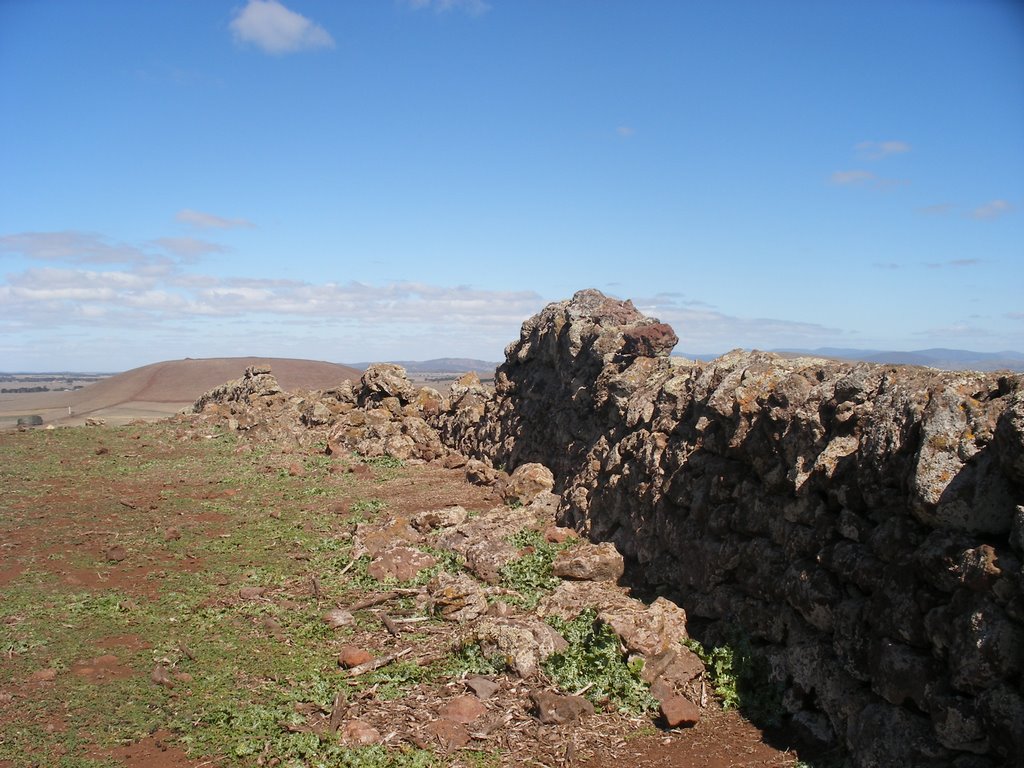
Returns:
<point x="456" y="597"/>
<point x="677" y="711"/>
<point x="115" y="553"/>
<point x="450" y="735"/>
<point x="47" y="675"/>
<point x="400" y="563"/>
<point x="589" y="562"/>
<point x="161" y="676"/>
<point x="360" y="733"/>
<point x="462" y="709"/>
<point x="522" y="642"/>
<point x="338" y="617"/>
<point x="352" y="656"/>
<point x="431" y="520"/>
<point x="558" y="709"/>
<point x="527" y="482"/>
<point x="251" y="593"/>
<point x="483" y="687"/>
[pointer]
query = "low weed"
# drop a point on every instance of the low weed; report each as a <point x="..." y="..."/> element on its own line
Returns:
<point x="594" y="662"/>
<point x="530" y="574"/>
<point x="740" y="678"/>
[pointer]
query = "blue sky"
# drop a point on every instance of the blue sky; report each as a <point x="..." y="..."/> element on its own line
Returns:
<point x="406" y="179"/>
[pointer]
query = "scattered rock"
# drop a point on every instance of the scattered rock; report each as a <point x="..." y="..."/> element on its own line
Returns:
<point x="295" y="469"/>
<point x="352" y="656"/>
<point x="527" y="482"/>
<point x="557" y="709"/>
<point x="337" y="618"/>
<point x="47" y="675"/>
<point x="450" y="735"/>
<point x="589" y="562"/>
<point x="431" y="520"/>
<point x="483" y="687"/>
<point x="252" y="593"/>
<point x="522" y="642"/>
<point x="161" y="676"/>
<point x="172" y="534"/>
<point x="400" y="563"/>
<point x="115" y="553"/>
<point x="679" y="711"/>
<point x="359" y="733"/>
<point x="462" y="709"/>
<point x="457" y="597"/>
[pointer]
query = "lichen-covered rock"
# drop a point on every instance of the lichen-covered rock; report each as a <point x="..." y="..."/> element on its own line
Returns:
<point x="527" y="482"/>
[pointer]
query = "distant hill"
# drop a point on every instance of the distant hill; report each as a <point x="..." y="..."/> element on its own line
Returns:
<point x="164" y="388"/>
<point x="441" y="365"/>
<point x="945" y="359"/>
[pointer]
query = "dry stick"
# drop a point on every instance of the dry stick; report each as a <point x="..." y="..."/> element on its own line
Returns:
<point x="382" y="598"/>
<point x="350" y="564"/>
<point x="338" y="711"/>
<point x="389" y="625"/>
<point x="383" y="661"/>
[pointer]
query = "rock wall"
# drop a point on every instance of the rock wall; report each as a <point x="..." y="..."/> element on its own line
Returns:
<point x="863" y="525"/>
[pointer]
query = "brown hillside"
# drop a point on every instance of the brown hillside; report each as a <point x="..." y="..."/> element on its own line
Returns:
<point x="163" y="388"/>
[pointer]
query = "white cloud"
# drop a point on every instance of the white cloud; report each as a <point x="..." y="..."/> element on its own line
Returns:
<point x="845" y="178"/>
<point x="992" y="210"/>
<point x="876" y="150"/>
<point x="70" y="246"/>
<point x="703" y="329"/>
<point x="188" y="248"/>
<point x="275" y="29"/>
<point x="472" y="7"/>
<point x="625" y="131"/>
<point x="202" y="220"/>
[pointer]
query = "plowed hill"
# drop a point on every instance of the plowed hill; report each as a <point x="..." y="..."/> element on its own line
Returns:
<point x="160" y="389"/>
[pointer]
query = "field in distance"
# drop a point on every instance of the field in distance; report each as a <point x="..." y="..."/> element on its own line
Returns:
<point x="154" y="391"/>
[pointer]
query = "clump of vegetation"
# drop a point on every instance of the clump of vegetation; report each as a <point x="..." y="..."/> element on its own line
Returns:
<point x="740" y="679"/>
<point x="530" y="575"/>
<point x="594" y="662"/>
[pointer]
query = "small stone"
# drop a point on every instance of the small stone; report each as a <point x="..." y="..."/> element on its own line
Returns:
<point x="352" y="656"/>
<point x="483" y="687"/>
<point x="183" y="677"/>
<point x="172" y="534"/>
<point x="451" y="735"/>
<point x="47" y="675"/>
<point x="251" y="593"/>
<point x="360" y="733"/>
<point x="556" y="709"/>
<point x="679" y="711"/>
<point x="554" y="534"/>
<point x="338" y="617"/>
<point x="115" y="553"/>
<point x="462" y="709"/>
<point x="161" y="676"/>
<point x="296" y="470"/>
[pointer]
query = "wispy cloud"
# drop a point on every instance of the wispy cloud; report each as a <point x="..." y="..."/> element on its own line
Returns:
<point x="992" y="210"/>
<point x="886" y="265"/>
<point x="275" y="29"/>
<point x="876" y="150"/>
<point x="188" y="247"/>
<point x="846" y="178"/>
<point x="472" y="7"/>
<point x="955" y="263"/>
<point x="71" y="246"/>
<point x="703" y="328"/>
<point x="625" y="131"/>
<point x="201" y="220"/>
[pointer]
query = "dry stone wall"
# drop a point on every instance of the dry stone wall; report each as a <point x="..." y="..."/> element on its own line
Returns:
<point x="862" y="525"/>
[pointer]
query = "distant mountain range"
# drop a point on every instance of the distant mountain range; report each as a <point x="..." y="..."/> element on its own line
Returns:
<point x="945" y="359"/>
